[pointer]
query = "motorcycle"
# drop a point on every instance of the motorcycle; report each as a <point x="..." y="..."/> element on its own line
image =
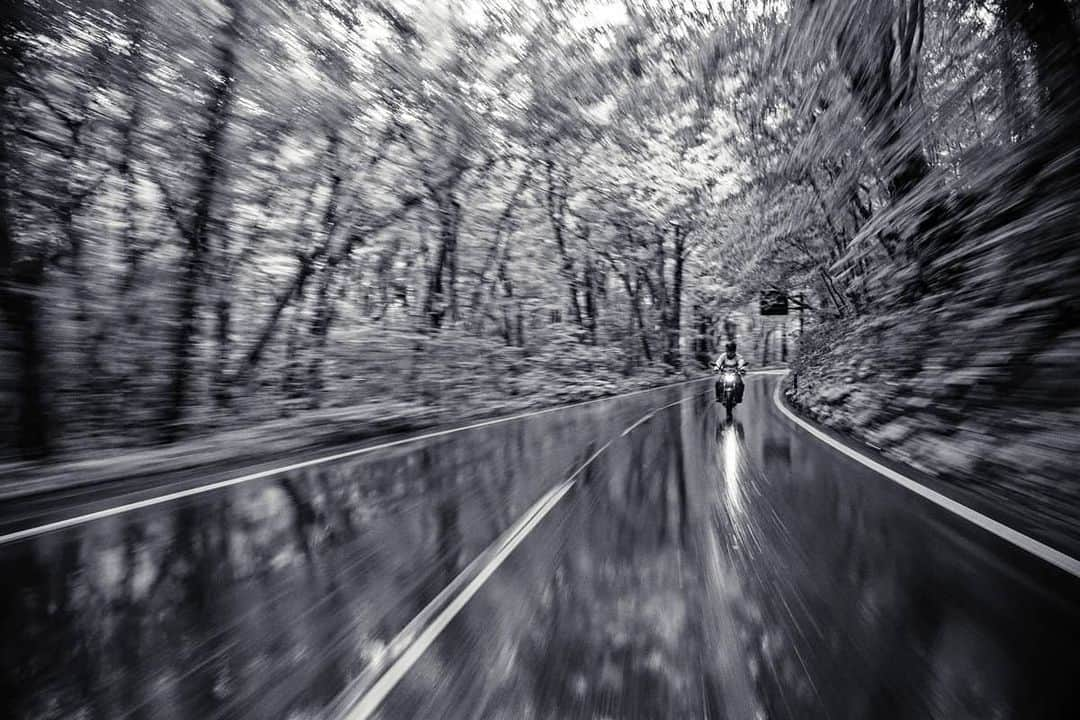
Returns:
<point x="727" y="386"/>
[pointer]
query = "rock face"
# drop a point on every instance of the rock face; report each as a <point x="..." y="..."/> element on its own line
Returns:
<point x="892" y="433"/>
<point x="835" y="394"/>
<point x="955" y="406"/>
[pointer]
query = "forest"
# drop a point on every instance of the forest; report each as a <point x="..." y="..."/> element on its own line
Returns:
<point x="290" y="223"/>
<point x="224" y="213"/>
<point x="216" y="214"/>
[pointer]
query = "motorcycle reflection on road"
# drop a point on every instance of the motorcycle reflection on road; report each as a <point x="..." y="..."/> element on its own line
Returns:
<point x="731" y="440"/>
<point x="730" y="425"/>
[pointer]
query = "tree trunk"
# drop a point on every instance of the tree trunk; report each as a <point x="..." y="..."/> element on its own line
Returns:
<point x="206" y="189"/>
<point x="832" y="293"/>
<point x="452" y="258"/>
<point x="556" y="207"/>
<point x="1011" y="81"/>
<point x="290" y="376"/>
<point x="437" y="304"/>
<point x="320" y="321"/>
<point x="660" y="286"/>
<point x="21" y="278"/>
<point x="633" y="291"/>
<point x="320" y="328"/>
<point x="885" y="89"/>
<point x="295" y="289"/>
<point x="703" y="324"/>
<point x="433" y="303"/>
<point x="675" y="316"/>
<point x="590" y="300"/>
<point x="132" y="252"/>
<point x="1055" y="43"/>
<point x="223" y="337"/>
<point x="502" y="234"/>
<point x="303" y="273"/>
<point x="19" y="297"/>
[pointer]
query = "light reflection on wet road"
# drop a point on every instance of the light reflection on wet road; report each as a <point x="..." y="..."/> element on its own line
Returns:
<point x="745" y="570"/>
<point x="697" y="569"/>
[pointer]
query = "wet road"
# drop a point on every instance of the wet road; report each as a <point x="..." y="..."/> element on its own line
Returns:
<point x="747" y="570"/>
<point x="693" y="569"/>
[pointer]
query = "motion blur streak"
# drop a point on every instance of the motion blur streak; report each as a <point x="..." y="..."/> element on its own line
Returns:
<point x="300" y="299"/>
<point x="284" y="606"/>
<point x="828" y="592"/>
<point x="38" y="529"/>
<point x="1036" y="548"/>
<point x="418" y="635"/>
<point x="730" y="449"/>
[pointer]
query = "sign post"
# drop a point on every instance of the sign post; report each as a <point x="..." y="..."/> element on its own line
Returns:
<point x="773" y="302"/>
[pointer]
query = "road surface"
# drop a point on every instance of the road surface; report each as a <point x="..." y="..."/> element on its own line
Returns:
<point x="636" y="557"/>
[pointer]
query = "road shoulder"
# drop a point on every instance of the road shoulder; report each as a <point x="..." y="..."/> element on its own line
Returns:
<point x="965" y="503"/>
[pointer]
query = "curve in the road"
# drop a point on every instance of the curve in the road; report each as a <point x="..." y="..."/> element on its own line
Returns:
<point x="369" y="691"/>
<point x="1024" y="542"/>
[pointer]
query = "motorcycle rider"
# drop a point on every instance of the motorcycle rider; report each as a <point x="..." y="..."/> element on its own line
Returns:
<point x="731" y="360"/>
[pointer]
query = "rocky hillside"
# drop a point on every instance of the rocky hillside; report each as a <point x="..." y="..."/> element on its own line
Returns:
<point x="934" y="399"/>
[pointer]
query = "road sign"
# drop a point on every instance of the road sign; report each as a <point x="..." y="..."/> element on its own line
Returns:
<point x="774" y="302"/>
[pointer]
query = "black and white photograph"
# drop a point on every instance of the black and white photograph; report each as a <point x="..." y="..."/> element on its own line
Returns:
<point x="539" y="359"/>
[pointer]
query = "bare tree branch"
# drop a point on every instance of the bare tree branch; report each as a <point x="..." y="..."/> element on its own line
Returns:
<point x="171" y="207"/>
<point x="394" y="19"/>
<point x="49" y="143"/>
<point x="73" y="126"/>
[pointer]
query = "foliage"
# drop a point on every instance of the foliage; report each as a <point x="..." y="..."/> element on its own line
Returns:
<point x="216" y="211"/>
<point x="922" y="177"/>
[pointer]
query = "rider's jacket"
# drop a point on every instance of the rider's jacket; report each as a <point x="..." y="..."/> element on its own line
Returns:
<point x="736" y="362"/>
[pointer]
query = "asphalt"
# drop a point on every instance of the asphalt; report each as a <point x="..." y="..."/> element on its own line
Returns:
<point x="745" y="570"/>
<point x="633" y="558"/>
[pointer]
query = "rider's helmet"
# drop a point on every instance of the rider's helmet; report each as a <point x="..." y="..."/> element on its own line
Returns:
<point x="730" y="347"/>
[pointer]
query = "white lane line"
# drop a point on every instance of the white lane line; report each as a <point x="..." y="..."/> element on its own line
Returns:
<point x="355" y="703"/>
<point x="210" y="487"/>
<point x="1017" y="538"/>
<point x="643" y="419"/>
